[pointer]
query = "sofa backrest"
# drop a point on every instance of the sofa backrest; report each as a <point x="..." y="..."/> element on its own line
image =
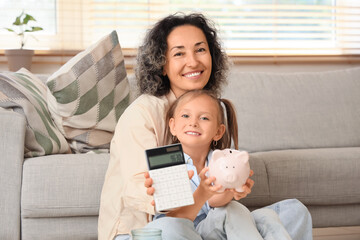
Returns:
<point x="296" y="110"/>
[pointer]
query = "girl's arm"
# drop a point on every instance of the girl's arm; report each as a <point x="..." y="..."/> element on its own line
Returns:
<point x="224" y="198"/>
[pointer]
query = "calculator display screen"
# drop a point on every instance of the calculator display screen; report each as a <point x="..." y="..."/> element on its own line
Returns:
<point x="166" y="159"/>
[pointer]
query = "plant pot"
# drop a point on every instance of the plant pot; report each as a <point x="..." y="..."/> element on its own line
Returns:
<point x="18" y="58"/>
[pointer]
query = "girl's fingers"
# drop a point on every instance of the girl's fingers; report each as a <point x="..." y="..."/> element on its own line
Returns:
<point x="210" y="180"/>
<point x="191" y="174"/>
<point x="215" y="188"/>
<point x="249" y="184"/>
<point x="247" y="189"/>
<point x="203" y="172"/>
<point x="207" y="180"/>
<point x="239" y="196"/>
<point x="148" y="182"/>
<point x="150" y="191"/>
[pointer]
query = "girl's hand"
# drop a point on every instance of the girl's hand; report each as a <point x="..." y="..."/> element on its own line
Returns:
<point x="206" y="183"/>
<point x="246" y="187"/>
<point x="150" y="189"/>
<point x="148" y="184"/>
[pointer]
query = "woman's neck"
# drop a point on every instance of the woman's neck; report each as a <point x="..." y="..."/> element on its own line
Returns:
<point x="198" y="156"/>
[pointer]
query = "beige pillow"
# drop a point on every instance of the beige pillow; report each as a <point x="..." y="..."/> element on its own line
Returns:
<point x="88" y="94"/>
<point x="24" y="93"/>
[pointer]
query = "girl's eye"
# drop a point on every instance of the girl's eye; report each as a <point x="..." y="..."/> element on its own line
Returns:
<point x="204" y="118"/>
<point x="184" y="116"/>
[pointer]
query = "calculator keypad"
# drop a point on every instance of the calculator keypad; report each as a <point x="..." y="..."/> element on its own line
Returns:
<point x="172" y="187"/>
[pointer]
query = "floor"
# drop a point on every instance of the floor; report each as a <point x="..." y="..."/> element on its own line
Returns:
<point x="338" y="233"/>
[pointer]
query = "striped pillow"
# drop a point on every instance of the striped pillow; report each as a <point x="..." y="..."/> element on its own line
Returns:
<point x="88" y="94"/>
<point x="24" y="93"/>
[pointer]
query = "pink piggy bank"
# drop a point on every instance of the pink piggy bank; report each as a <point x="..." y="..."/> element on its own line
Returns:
<point x="230" y="167"/>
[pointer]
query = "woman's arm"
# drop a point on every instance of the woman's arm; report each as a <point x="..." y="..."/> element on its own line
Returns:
<point x="124" y="202"/>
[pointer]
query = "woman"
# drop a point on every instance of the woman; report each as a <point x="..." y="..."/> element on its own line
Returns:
<point x="180" y="53"/>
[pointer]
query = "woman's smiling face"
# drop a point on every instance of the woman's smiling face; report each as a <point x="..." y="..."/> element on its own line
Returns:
<point x="188" y="59"/>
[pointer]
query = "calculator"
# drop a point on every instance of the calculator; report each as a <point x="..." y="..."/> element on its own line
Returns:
<point x="170" y="177"/>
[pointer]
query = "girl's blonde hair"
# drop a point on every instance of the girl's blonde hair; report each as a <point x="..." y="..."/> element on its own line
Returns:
<point x="230" y="120"/>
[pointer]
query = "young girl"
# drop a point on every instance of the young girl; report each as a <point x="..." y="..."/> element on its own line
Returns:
<point x="197" y="121"/>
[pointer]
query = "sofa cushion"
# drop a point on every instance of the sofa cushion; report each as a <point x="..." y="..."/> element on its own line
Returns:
<point x="73" y="228"/>
<point x="24" y="93"/>
<point x="327" y="176"/>
<point x="296" y="110"/>
<point x="88" y="94"/>
<point x="63" y="185"/>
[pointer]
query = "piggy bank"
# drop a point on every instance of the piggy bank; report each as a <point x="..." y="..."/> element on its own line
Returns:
<point x="230" y="168"/>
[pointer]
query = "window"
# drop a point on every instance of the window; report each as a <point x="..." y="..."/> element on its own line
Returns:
<point x="247" y="27"/>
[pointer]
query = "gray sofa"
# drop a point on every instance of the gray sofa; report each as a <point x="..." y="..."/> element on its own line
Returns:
<point x="302" y="131"/>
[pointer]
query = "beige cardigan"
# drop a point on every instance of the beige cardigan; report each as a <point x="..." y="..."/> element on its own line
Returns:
<point x="124" y="202"/>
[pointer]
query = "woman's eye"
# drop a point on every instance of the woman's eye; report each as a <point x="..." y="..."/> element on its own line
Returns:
<point x="201" y="50"/>
<point x="178" y="54"/>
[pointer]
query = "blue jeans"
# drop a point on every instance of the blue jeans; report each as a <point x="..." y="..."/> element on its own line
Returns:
<point x="294" y="216"/>
<point x="233" y="221"/>
<point x="284" y="220"/>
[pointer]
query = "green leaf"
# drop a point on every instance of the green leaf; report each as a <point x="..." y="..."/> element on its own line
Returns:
<point x="17" y="21"/>
<point x="34" y="29"/>
<point x="9" y="29"/>
<point x="28" y="18"/>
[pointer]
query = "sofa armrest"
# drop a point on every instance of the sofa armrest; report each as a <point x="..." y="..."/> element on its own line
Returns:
<point x="12" y="137"/>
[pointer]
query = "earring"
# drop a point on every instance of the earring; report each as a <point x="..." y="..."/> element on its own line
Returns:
<point x="215" y="143"/>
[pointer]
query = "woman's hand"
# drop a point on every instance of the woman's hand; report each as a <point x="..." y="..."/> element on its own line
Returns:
<point x="246" y="187"/>
<point x="150" y="189"/>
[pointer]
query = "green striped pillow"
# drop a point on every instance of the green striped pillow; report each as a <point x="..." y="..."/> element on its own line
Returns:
<point x="24" y="93"/>
<point x="88" y="94"/>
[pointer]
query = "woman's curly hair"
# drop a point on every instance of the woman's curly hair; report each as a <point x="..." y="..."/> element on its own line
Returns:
<point x="151" y="55"/>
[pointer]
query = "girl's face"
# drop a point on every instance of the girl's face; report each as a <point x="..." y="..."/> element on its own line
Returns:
<point x="196" y="122"/>
<point x="188" y="59"/>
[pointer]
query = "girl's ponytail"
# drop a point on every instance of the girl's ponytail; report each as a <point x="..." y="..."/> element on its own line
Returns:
<point x="231" y="133"/>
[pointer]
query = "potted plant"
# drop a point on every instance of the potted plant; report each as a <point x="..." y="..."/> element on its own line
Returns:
<point x="18" y="58"/>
